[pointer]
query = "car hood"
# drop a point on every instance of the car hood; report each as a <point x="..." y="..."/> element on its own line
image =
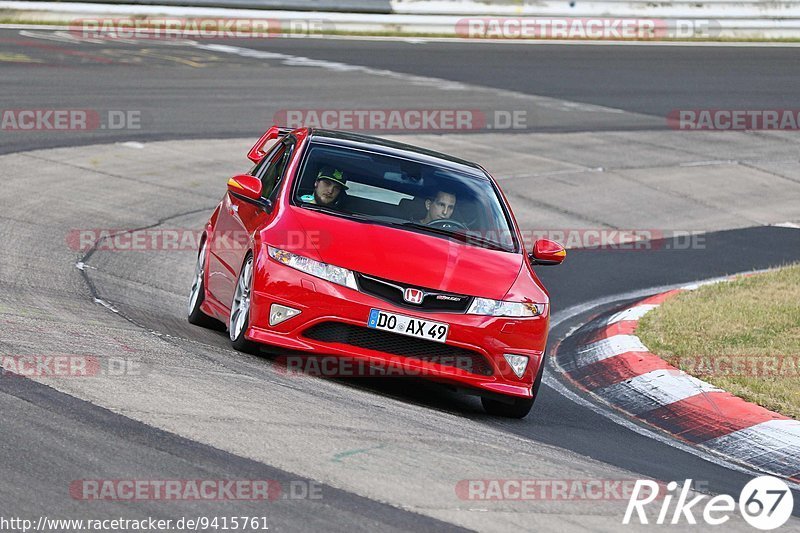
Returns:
<point x="409" y="257"/>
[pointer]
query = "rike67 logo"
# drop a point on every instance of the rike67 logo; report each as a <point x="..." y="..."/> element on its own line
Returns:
<point x="765" y="503"/>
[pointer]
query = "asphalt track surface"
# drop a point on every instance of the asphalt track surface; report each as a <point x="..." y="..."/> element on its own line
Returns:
<point x="51" y="438"/>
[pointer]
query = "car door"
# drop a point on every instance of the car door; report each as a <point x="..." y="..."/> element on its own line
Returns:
<point x="238" y="219"/>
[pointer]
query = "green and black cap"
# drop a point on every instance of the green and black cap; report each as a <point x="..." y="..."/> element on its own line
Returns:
<point x="332" y="174"/>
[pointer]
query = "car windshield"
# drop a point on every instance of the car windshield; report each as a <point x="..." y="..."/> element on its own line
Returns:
<point x="405" y="193"/>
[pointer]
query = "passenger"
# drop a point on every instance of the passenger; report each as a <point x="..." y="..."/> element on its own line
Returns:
<point x="439" y="207"/>
<point x="328" y="186"/>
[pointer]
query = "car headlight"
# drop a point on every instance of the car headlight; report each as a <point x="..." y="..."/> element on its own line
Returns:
<point x="485" y="306"/>
<point x="334" y="274"/>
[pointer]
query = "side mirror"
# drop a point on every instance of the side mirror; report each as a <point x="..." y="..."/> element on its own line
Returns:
<point x="547" y="252"/>
<point x="248" y="188"/>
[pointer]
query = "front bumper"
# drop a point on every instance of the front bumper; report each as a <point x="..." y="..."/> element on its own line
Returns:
<point x="327" y="306"/>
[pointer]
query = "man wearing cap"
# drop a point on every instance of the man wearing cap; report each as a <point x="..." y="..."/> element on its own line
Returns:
<point x="329" y="184"/>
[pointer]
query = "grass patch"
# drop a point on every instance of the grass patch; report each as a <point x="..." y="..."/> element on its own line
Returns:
<point x="742" y="336"/>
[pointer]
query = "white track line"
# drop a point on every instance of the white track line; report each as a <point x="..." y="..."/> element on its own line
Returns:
<point x="424" y="81"/>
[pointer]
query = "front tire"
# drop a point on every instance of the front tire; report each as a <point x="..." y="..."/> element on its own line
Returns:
<point x="197" y="294"/>
<point x="518" y="407"/>
<point x="240" y="309"/>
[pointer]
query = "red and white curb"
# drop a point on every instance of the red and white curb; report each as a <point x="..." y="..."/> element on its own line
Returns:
<point x="611" y="363"/>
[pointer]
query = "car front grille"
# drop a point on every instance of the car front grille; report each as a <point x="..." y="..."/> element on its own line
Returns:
<point x="432" y="300"/>
<point x="402" y="345"/>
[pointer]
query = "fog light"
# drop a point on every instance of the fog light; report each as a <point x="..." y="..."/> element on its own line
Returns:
<point x="518" y="363"/>
<point x="278" y="313"/>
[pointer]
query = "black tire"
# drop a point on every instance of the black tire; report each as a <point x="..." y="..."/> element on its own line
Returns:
<point x="197" y="295"/>
<point x="237" y="330"/>
<point x="517" y="407"/>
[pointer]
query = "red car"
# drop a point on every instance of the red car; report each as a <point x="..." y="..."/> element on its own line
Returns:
<point x="355" y="247"/>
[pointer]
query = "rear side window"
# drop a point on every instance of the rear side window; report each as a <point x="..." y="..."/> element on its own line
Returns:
<point x="272" y="173"/>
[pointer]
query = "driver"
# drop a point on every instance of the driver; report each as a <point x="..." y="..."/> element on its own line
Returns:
<point x="439" y="207"/>
<point x="329" y="184"/>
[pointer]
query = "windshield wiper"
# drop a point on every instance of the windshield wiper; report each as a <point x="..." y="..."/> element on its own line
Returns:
<point x="467" y="238"/>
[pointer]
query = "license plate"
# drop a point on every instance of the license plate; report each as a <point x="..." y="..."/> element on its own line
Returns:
<point x="407" y="325"/>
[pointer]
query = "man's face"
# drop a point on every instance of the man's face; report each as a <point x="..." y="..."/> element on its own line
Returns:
<point x="440" y="207"/>
<point x="326" y="191"/>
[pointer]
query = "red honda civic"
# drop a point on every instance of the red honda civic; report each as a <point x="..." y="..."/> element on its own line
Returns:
<point x="354" y="247"/>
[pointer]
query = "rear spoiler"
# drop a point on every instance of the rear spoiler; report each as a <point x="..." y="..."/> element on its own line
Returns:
<point x="257" y="153"/>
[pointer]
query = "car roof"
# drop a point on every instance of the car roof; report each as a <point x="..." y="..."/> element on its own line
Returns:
<point x="385" y="146"/>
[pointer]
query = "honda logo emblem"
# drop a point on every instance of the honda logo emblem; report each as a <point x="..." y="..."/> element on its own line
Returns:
<point x="413" y="296"/>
